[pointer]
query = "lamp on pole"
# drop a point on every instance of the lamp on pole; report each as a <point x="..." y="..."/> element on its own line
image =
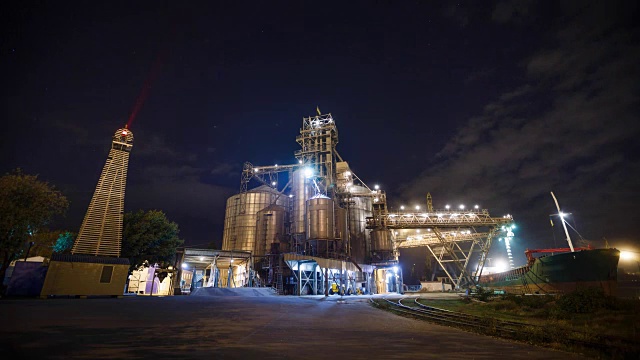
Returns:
<point x="31" y="243"/>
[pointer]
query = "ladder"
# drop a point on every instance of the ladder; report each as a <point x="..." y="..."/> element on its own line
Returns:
<point x="279" y="285"/>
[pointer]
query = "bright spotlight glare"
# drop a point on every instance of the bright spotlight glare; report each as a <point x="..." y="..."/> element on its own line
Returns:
<point x="395" y="268"/>
<point x="417" y="207"/>
<point x="477" y="207"/>
<point x="308" y="172"/>
<point x="447" y="207"/>
<point x="201" y="258"/>
<point x="377" y="187"/>
<point x="273" y="183"/>
<point x="184" y="265"/>
<point x="461" y="207"/>
<point x="562" y="214"/>
<point x="627" y="255"/>
<point x="402" y="207"/>
<point x="501" y="265"/>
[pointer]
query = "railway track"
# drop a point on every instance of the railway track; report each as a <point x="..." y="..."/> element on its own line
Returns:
<point x="446" y="317"/>
<point x="502" y="328"/>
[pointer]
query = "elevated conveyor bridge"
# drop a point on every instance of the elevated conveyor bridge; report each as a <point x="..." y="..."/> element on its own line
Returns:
<point x="450" y="236"/>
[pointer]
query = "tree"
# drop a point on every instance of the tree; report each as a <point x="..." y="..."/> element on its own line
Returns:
<point x="27" y="205"/>
<point x="44" y="241"/>
<point x="64" y="243"/>
<point x="149" y="236"/>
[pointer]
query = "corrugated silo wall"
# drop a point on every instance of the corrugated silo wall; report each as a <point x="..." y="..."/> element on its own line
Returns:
<point x="270" y="229"/>
<point x="359" y="210"/>
<point x="240" y="228"/>
<point x="300" y="194"/>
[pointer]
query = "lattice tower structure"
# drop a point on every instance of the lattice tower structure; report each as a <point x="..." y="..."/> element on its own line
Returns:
<point x="318" y="139"/>
<point x="450" y="236"/>
<point x="101" y="230"/>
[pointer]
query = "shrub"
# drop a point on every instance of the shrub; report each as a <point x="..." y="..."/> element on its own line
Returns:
<point x="584" y="301"/>
<point x="482" y="294"/>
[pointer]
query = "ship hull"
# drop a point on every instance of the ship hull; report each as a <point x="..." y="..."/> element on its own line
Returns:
<point x="560" y="273"/>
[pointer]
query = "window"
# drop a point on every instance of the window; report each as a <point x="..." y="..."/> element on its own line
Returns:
<point x="105" y="277"/>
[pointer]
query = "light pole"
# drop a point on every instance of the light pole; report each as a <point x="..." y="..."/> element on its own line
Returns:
<point x="31" y="243"/>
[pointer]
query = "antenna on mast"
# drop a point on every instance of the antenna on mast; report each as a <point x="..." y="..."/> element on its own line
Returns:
<point x="563" y="224"/>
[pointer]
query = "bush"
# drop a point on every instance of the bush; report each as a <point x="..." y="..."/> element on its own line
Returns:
<point x="482" y="294"/>
<point x="584" y="301"/>
<point x="536" y="301"/>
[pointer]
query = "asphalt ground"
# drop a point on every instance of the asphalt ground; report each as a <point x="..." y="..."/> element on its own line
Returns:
<point x="236" y="327"/>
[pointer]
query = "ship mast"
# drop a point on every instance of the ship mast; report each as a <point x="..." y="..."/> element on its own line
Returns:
<point x="563" y="224"/>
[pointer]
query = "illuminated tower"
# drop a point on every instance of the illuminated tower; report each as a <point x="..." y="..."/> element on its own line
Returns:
<point x="101" y="230"/>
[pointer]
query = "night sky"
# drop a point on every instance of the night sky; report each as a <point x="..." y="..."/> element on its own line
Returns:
<point x="489" y="103"/>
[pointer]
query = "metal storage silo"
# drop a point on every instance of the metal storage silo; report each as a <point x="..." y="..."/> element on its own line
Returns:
<point x="359" y="208"/>
<point x="241" y="215"/>
<point x="341" y="227"/>
<point x="320" y="218"/>
<point x="269" y="228"/>
<point x="381" y="242"/>
<point x="301" y="193"/>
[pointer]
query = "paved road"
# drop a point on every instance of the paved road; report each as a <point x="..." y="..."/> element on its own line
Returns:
<point x="232" y="327"/>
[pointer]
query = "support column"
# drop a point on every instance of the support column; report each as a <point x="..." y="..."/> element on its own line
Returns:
<point x="229" y="277"/>
<point x="315" y="280"/>
<point x="299" y="279"/>
<point x="367" y="283"/>
<point x="353" y="284"/>
<point x="326" y="281"/>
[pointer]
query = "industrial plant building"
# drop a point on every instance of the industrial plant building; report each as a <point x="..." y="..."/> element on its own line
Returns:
<point x="314" y="227"/>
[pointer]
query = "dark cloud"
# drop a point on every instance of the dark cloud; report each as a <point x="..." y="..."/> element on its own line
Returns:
<point x="512" y="11"/>
<point x="572" y="128"/>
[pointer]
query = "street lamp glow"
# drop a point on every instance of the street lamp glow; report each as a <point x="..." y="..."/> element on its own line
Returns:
<point x="273" y="183"/>
<point x="401" y="207"/>
<point x="447" y="207"/>
<point x="417" y="207"/>
<point x="461" y="207"/>
<point x="476" y="207"/>
<point x="377" y="187"/>
<point x="184" y="265"/>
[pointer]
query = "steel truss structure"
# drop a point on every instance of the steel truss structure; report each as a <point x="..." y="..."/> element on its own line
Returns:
<point x="318" y="139"/>
<point x="452" y="237"/>
<point x="444" y="218"/>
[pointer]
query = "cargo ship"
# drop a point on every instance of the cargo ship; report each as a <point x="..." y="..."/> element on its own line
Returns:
<point x="562" y="270"/>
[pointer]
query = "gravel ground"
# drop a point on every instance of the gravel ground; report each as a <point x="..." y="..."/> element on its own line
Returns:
<point x="236" y="327"/>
